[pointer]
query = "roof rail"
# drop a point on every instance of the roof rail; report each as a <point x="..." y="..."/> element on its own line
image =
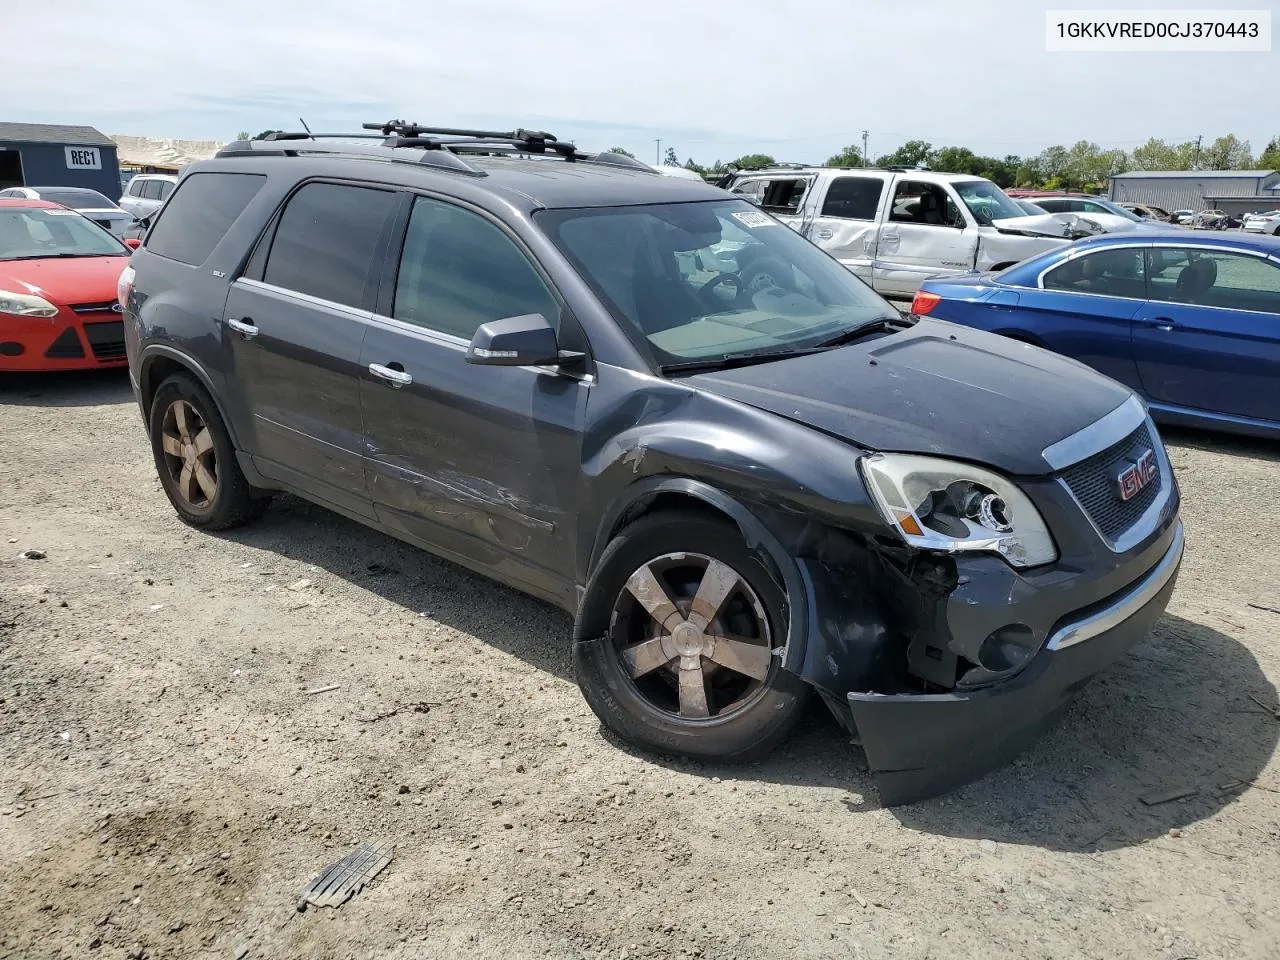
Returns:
<point x="408" y="143"/>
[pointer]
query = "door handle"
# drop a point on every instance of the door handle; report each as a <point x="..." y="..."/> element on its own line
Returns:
<point x="1163" y="323"/>
<point x="397" y="378"/>
<point x="246" y="327"/>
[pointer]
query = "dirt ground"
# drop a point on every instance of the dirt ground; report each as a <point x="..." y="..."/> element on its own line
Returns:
<point x="168" y="786"/>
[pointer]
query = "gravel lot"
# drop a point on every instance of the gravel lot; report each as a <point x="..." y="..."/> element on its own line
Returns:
<point x="167" y="786"/>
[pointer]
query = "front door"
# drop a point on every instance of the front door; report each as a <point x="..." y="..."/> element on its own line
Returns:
<point x="481" y="463"/>
<point x="924" y="234"/>
<point x="295" y="323"/>
<point x="1209" y="335"/>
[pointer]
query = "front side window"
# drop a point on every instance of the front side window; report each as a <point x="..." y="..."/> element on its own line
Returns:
<point x="986" y="201"/>
<point x="166" y="188"/>
<point x="853" y="198"/>
<point x="326" y="242"/>
<point x="716" y="280"/>
<point x="925" y="203"/>
<point x="29" y="233"/>
<point x="1213" y="278"/>
<point x="1109" y="273"/>
<point x="458" y="270"/>
<point x="202" y="211"/>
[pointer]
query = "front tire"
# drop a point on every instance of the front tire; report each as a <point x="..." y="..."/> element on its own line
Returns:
<point x="196" y="460"/>
<point x="681" y="620"/>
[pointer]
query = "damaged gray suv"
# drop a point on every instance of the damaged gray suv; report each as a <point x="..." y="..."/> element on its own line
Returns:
<point x="742" y="472"/>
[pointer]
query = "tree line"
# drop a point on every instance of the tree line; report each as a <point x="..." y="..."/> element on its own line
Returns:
<point x="1082" y="166"/>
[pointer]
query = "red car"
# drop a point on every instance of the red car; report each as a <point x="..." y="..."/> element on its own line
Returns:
<point x="58" y="274"/>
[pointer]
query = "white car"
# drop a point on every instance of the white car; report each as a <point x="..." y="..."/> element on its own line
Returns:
<point x="894" y="228"/>
<point x="1268" y="222"/>
<point x="147" y="192"/>
<point x="89" y="203"/>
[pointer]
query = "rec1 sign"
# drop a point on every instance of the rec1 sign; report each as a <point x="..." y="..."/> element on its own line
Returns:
<point x="83" y="158"/>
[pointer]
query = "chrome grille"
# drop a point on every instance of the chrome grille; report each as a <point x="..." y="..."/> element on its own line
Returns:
<point x="1092" y="482"/>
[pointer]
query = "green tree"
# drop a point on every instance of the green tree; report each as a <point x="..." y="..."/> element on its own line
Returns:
<point x="622" y="150"/>
<point x="1156" y="154"/>
<point x="956" y="160"/>
<point x="670" y="159"/>
<point x="696" y="167"/>
<point x="850" y="156"/>
<point x="1226" y="153"/>
<point x="243" y="135"/>
<point x="1270" y="159"/>
<point x="1052" y="163"/>
<point x="913" y="153"/>
<point x="753" y="161"/>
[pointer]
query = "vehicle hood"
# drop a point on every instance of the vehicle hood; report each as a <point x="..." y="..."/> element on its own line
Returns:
<point x="63" y="282"/>
<point x="937" y="388"/>
<point x="1070" y="226"/>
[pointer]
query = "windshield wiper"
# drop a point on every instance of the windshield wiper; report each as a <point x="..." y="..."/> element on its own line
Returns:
<point x="874" y="325"/>
<point x="730" y="360"/>
<point x="61" y="256"/>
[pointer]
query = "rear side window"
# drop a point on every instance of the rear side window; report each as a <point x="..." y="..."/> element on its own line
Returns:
<point x="1213" y="278"/>
<point x="151" y="190"/>
<point x="326" y="242"/>
<point x="1109" y="273"/>
<point x="785" y="196"/>
<point x="166" y="188"/>
<point x="200" y="214"/>
<point x="853" y="198"/>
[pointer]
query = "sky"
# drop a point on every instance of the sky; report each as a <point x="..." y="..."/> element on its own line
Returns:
<point x="712" y="80"/>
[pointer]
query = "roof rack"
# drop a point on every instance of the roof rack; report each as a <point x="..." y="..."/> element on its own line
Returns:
<point x="440" y="147"/>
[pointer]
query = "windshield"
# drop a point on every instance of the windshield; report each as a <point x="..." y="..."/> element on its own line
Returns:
<point x="987" y="202"/>
<point x="694" y="281"/>
<point x="77" y="198"/>
<point x="28" y="233"/>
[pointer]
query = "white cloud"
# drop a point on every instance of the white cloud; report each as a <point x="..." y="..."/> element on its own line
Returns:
<point x="710" y="79"/>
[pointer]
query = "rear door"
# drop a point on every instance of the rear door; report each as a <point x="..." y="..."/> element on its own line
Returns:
<point x="294" y="325"/>
<point x="1209" y="335"/>
<point x="846" y="223"/>
<point x="924" y="233"/>
<point x="480" y="462"/>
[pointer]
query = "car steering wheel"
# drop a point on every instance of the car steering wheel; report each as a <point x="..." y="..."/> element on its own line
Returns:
<point x="719" y="278"/>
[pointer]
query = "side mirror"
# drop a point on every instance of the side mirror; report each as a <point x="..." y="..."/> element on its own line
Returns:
<point x="524" y="341"/>
<point x="133" y="243"/>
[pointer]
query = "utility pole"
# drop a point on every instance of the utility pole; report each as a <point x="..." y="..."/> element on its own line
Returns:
<point x="864" y="148"/>
<point x="657" y="152"/>
<point x="1195" y="162"/>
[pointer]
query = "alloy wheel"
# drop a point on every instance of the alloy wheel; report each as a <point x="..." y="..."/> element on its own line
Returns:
<point x="188" y="454"/>
<point x="692" y="635"/>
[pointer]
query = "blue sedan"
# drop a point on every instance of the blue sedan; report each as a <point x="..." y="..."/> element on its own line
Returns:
<point x="1191" y="322"/>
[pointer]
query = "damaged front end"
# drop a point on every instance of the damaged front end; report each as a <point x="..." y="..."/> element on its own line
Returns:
<point x="947" y="663"/>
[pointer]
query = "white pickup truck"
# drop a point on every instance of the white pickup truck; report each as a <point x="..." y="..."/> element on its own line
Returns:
<point x="895" y="228"/>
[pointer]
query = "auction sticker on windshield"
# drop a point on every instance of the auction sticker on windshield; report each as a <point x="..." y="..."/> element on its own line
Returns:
<point x="751" y="219"/>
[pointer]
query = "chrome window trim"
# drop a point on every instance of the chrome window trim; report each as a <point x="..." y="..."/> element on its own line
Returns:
<point x="1136" y="597"/>
<point x="356" y="313"/>
<point x="1096" y="437"/>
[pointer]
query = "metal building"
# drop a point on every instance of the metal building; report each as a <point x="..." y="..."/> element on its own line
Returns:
<point x="51" y="155"/>
<point x="1234" y="191"/>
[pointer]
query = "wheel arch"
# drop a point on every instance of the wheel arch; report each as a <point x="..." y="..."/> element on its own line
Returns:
<point x="159" y="363"/>
<point x="666" y="493"/>
<point x="1022" y="336"/>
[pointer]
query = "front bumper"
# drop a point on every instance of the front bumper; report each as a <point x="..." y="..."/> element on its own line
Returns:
<point x="920" y="745"/>
<point x="65" y="342"/>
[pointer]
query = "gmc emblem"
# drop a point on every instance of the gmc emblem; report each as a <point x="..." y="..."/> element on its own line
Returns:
<point x="1132" y="477"/>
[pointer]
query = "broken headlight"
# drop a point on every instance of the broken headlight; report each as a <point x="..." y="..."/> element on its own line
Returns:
<point x="951" y="506"/>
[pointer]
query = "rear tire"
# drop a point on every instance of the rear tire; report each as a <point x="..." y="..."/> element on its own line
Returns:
<point x="195" y="459"/>
<point x="663" y="675"/>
